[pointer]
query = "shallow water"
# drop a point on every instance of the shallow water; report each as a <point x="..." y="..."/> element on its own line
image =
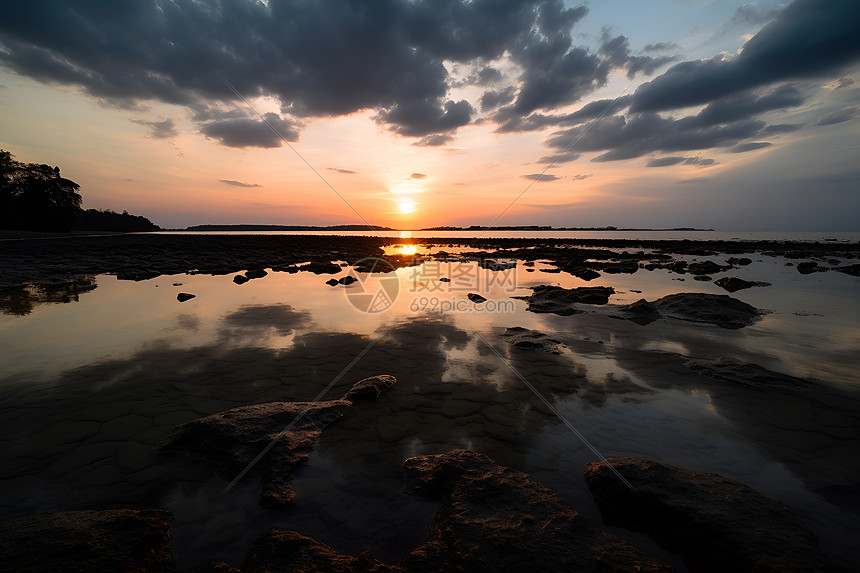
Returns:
<point x="90" y="387"/>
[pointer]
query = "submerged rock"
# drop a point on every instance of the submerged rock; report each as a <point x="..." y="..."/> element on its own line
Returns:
<point x="240" y="279"/>
<point x="713" y="522"/>
<point x="728" y="370"/>
<point x="130" y="540"/>
<point x="183" y="296"/>
<point x="370" y="388"/>
<point x="321" y="268"/>
<point x="853" y="270"/>
<point x="495" y="518"/>
<point x="232" y="439"/>
<point x="256" y="273"/>
<point x="331" y="282"/>
<point x="583" y="273"/>
<point x="733" y="284"/>
<point x="531" y="340"/>
<point x="719" y="309"/>
<point x="561" y="301"/>
<point x="348" y="280"/>
<point x="705" y="268"/>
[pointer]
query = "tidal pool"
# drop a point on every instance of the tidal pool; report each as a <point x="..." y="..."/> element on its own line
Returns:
<point x="88" y="388"/>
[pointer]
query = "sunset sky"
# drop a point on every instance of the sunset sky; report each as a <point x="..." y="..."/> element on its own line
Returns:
<point x="705" y="113"/>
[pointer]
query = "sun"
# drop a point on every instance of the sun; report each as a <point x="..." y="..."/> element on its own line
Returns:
<point x="406" y="205"/>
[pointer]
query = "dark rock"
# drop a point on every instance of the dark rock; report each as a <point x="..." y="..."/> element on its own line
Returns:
<point x="733" y="284"/>
<point x="136" y="274"/>
<point x="531" y="340"/>
<point x="703" y="278"/>
<point x="256" y="273"/>
<point x="476" y="298"/>
<point x="679" y="267"/>
<point x="495" y="518"/>
<point x="810" y="267"/>
<point x="286" y="268"/>
<point x="743" y="261"/>
<point x="853" y="270"/>
<point x="232" y="439"/>
<point x="641" y="312"/>
<point x="281" y="550"/>
<point x="177" y="284"/>
<point x="728" y="370"/>
<point x="584" y="273"/>
<point x="134" y="541"/>
<point x="705" y="268"/>
<point x="550" y="270"/>
<point x="370" y="388"/>
<point x="240" y="279"/>
<point x="492" y="265"/>
<point x="321" y="268"/>
<point x="529" y="264"/>
<point x="628" y="267"/>
<point x="713" y="522"/>
<point x="719" y="309"/>
<point x="332" y="282"/>
<point x="561" y="301"/>
<point x="444" y="280"/>
<point x="183" y="296"/>
<point x="348" y="280"/>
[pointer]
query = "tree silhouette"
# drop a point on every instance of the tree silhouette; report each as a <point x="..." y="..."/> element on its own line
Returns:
<point x="35" y="196"/>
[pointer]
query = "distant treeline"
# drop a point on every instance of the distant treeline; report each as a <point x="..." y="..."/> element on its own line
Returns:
<point x="287" y="228"/>
<point x="35" y="197"/>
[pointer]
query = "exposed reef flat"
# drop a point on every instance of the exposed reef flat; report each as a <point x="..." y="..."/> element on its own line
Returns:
<point x="144" y="256"/>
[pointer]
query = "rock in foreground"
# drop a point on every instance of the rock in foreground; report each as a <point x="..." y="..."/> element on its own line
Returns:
<point x="728" y="370"/>
<point x="232" y="439"/>
<point x="495" y="518"/>
<point x="109" y="540"/>
<point x="531" y="340"/>
<point x="562" y="301"/>
<point x="713" y="522"/>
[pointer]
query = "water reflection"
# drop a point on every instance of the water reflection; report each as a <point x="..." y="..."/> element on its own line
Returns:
<point x="20" y="301"/>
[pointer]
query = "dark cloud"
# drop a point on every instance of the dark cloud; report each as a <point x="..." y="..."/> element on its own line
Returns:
<point x="509" y="121"/>
<point x="239" y="183"/>
<point x="751" y="146"/>
<point x="417" y="175"/>
<point x="488" y="76"/>
<point x="580" y="176"/>
<point x="780" y="128"/>
<point x="661" y="47"/>
<point x="695" y="180"/>
<point x="342" y="171"/>
<point x="664" y="161"/>
<point x="565" y="157"/>
<point x="434" y="140"/>
<point x="542" y="177"/>
<point x="158" y="129"/>
<point x="617" y="52"/>
<point x="840" y="116"/>
<point x="424" y="117"/>
<point x="808" y="38"/>
<point x="675" y="160"/>
<point x="844" y="83"/>
<point x="252" y="133"/>
<point x="493" y="99"/>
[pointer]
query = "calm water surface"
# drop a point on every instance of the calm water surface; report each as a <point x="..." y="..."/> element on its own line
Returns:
<point x="90" y="387"/>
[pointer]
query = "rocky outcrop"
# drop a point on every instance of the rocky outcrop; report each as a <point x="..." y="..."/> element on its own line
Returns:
<point x="719" y="309"/>
<point x="734" y="372"/>
<point x="233" y="439"/>
<point x="705" y="268"/>
<point x="853" y="270"/>
<point x="476" y="298"/>
<point x="562" y="301"/>
<point x="109" y="540"/>
<point x="713" y="522"/>
<point x="183" y="296"/>
<point x="495" y="518"/>
<point x="810" y="267"/>
<point x="733" y="284"/>
<point x="531" y="340"/>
